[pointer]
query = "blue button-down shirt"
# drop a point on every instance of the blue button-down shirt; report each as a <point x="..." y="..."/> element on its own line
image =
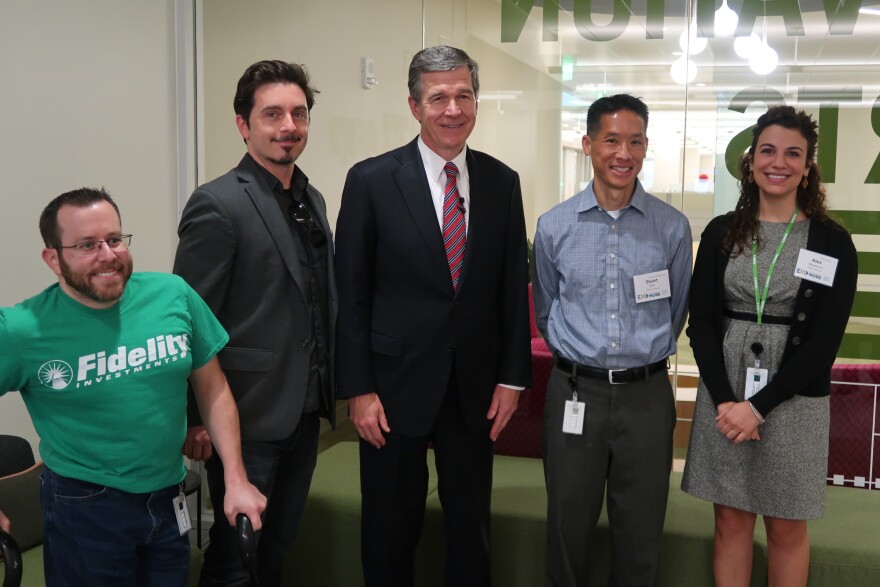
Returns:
<point x="585" y="261"/>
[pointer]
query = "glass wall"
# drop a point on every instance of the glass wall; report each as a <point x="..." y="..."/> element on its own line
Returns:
<point x="707" y="70"/>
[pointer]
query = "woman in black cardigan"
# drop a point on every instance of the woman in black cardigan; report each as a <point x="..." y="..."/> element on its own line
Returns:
<point x="772" y="289"/>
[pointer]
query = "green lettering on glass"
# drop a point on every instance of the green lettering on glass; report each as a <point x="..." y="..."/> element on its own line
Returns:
<point x="735" y="150"/>
<point x="787" y="9"/>
<point x="514" y="14"/>
<point x="654" y="19"/>
<point x="551" y="20"/>
<point x="829" y="100"/>
<point x="859" y="346"/>
<point x="827" y="156"/>
<point x="874" y="174"/>
<point x="705" y="18"/>
<point x="826" y="159"/>
<point x="583" y="20"/>
<point x="743" y="140"/>
<point x="869" y="264"/>
<point x="866" y="304"/>
<point x="841" y="15"/>
<point x="860" y="222"/>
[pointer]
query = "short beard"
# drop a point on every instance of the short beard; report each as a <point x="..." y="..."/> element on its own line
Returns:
<point x="82" y="285"/>
<point x="285" y="161"/>
<point x="289" y="159"/>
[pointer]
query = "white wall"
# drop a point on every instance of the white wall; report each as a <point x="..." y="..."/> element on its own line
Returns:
<point x="350" y="123"/>
<point x="88" y="100"/>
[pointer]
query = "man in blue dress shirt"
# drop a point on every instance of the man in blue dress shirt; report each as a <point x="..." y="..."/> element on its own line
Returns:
<point x="612" y="272"/>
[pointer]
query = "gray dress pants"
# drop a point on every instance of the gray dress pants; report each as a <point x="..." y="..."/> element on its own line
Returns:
<point x="626" y="446"/>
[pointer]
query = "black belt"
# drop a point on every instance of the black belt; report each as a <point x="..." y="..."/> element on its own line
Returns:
<point x="613" y="376"/>
<point x="749" y="317"/>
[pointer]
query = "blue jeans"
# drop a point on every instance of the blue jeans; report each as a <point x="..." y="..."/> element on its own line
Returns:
<point x="282" y="471"/>
<point x="99" y="536"/>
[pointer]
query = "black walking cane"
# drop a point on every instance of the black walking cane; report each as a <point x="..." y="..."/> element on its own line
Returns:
<point x="12" y="555"/>
<point x="247" y="546"/>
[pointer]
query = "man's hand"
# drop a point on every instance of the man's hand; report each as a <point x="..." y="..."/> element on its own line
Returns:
<point x="368" y="416"/>
<point x="737" y="422"/>
<point x="197" y="445"/>
<point x="504" y="402"/>
<point x="4" y="523"/>
<point x="243" y="498"/>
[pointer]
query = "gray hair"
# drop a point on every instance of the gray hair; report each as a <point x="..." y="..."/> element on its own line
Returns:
<point x="440" y="58"/>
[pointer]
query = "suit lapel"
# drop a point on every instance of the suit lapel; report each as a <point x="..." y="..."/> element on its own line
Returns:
<point x="413" y="185"/>
<point x="477" y="217"/>
<point x="260" y="193"/>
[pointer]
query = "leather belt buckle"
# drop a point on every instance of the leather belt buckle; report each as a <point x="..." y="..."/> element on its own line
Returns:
<point x="611" y="373"/>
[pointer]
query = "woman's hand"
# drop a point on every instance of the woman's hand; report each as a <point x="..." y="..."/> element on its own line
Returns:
<point x="737" y="422"/>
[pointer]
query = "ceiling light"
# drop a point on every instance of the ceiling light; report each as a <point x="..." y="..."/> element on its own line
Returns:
<point x="745" y="46"/>
<point x="725" y="20"/>
<point x="763" y="59"/>
<point x="690" y="42"/>
<point x="683" y="70"/>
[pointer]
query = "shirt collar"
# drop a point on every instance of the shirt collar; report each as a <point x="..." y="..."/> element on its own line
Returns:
<point x="588" y="199"/>
<point x="434" y="163"/>
<point x="298" y="181"/>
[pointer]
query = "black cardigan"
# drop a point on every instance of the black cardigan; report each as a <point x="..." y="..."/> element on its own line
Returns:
<point x="818" y="321"/>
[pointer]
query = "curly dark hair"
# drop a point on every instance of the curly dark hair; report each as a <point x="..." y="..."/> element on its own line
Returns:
<point x="810" y="199"/>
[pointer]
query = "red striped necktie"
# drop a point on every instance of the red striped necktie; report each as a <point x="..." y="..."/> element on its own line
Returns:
<point x="454" y="229"/>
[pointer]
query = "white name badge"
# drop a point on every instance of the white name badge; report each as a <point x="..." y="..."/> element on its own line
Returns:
<point x="815" y="267"/>
<point x="756" y="380"/>
<point x="184" y="524"/>
<point x="652" y="286"/>
<point x="573" y="421"/>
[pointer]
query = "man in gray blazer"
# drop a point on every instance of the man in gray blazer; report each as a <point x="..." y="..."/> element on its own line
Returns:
<point x="255" y="244"/>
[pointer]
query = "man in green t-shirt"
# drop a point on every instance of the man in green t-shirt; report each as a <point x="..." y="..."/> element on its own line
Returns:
<point x="102" y="360"/>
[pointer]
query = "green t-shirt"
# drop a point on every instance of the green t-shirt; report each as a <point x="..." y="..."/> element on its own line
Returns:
<point x="106" y="388"/>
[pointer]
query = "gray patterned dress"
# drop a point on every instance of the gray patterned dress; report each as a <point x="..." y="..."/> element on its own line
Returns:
<point x="783" y="474"/>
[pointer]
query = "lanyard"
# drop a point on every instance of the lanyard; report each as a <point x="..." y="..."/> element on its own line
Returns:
<point x="761" y="298"/>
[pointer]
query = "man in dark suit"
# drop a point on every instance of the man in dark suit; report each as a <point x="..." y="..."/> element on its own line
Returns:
<point x="255" y="244"/>
<point x="433" y="333"/>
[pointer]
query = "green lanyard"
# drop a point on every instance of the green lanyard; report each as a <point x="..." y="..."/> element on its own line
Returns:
<point x="761" y="298"/>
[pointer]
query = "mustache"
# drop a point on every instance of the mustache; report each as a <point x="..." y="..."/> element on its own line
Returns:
<point x="114" y="266"/>
<point x="284" y="138"/>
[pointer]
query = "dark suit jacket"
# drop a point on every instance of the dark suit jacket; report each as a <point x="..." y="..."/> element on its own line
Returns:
<point x="818" y="320"/>
<point x="401" y="328"/>
<point x="237" y="251"/>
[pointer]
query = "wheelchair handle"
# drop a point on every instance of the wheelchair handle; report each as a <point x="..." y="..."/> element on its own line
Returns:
<point x="12" y="555"/>
<point x="247" y="546"/>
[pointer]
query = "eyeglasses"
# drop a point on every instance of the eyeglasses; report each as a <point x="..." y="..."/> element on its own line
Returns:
<point x="301" y="215"/>
<point x="91" y="247"/>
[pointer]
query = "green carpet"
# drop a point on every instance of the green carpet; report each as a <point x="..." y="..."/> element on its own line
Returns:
<point x="845" y="543"/>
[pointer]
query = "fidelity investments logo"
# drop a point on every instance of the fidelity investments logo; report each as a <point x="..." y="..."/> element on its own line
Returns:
<point x="56" y="374"/>
<point x="100" y="367"/>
